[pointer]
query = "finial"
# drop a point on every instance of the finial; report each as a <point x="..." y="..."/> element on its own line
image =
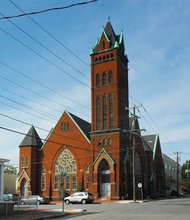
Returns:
<point x="108" y="18"/>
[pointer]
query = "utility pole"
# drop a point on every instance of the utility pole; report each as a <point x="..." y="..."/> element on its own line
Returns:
<point x="134" y="130"/>
<point x="134" y="170"/>
<point x="177" y="185"/>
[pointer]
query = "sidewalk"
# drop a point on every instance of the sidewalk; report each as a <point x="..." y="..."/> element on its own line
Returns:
<point x="31" y="214"/>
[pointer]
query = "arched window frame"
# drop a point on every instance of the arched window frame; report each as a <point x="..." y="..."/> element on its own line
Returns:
<point x="104" y="111"/>
<point x="67" y="163"/>
<point x="22" y="162"/>
<point x="111" y="110"/>
<point x="97" y="80"/>
<point x="110" y="76"/>
<point x="43" y="179"/>
<point x="26" y="161"/>
<point x="97" y="113"/>
<point x="104" y="78"/>
<point x="87" y="176"/>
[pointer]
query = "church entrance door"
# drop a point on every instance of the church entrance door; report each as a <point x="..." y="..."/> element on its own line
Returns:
<point x="104" y="179"/>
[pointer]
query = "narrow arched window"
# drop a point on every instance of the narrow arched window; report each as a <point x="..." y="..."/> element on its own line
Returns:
<point x="110" y="77"/>
<point x="43" y="179"/>
<point x="104" y="111"/>
<point x="111" y="111"/>
<point x="97" y="80"/>
<point x="22" y="162"/>
<point x="26" y="161"/>
<point x="104" y="78"/>
<point x="98" y="113"/>
<point x="109" y="141"/>
<point x="87" y="177"/>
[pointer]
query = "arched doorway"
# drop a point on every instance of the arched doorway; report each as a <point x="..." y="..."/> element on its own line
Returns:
<point x="104" y="178"/>
<point x="24" y="188"/>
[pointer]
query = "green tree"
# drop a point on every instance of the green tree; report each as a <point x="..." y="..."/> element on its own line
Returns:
<point x="10" y="169"/>
<point x="185" y="176"/>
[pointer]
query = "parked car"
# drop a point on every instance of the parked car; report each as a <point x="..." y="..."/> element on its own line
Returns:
<point x="7" y="197"/>
<point x="33" y="200"/>
<point x="79" y="197"/>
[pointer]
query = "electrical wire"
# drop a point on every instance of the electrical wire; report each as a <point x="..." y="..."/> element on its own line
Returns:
<point x="49" y="9"/>
<point x="42" y="45"/>
<point x="51" y="35"/>
<point x="44" y="58"/>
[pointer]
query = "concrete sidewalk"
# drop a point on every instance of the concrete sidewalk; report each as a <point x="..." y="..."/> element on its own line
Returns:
<point x="29" y="214"/>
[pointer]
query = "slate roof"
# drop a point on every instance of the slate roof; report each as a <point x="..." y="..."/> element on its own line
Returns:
<point x="110" y="34"/>
<point x="84" y="125"/>
<point x="149" y="142"/>
<point x="31" y="139"/>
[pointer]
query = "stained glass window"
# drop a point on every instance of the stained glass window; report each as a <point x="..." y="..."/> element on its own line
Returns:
<point x="65" y="162"/>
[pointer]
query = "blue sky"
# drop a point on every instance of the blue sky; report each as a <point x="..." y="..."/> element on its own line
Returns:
<point x="156" y="35"/>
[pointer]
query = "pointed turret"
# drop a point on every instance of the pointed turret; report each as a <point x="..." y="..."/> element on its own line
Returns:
<point x="109" y="40"/>
<point x="31" y="139"/>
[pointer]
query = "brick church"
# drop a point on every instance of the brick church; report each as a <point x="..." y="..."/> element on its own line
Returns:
<point x="94" y="157"/>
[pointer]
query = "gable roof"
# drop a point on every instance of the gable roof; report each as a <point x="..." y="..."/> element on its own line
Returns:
<point x="84" y="126"/>
<point x="150" y="143"/>
<point x="31" y="139"/>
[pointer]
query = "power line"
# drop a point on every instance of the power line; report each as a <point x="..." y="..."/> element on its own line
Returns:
<point x="42" y="45"/>
<point x="44" y="58"/>
<point x="33" y="92"/>
<point x="26" y="112"/>
<point x="50" y="35"/>
<point x="49" y="9"/>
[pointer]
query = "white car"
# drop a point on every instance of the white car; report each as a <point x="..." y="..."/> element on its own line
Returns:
<point x="79" y="197"/>
<point x="33" y="200"/>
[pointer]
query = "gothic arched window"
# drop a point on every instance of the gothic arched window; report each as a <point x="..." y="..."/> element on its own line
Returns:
<point x="87" y="176"/>
<point x="104" y="78"/>
<point x="110" y="77"/>
<point x="111" y="111"/>
<point x="98" y="113"/>
<point x="43" y="179"/>
<point x="66" y="163"/>
<point x="97" y="80"/>
<point x="104" y="111"/>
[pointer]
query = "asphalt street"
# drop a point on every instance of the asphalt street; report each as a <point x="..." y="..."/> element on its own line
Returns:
<point x="175" y="209"/>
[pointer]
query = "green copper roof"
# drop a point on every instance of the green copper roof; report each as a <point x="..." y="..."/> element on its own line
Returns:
<point x="116" y="45"/>
<point x="121" y="38"/>
<point x="91" y="51"/>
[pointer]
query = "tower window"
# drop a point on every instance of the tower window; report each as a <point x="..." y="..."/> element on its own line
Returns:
<point x="97" y="80"/>
<point x="111" y="111"/>
<point x="98" y="113"/>
<point x="104" y="142"/>
<point x="110" y="77"/>
<point x="104" y="111"/>
<point x="103" y="44"/>
<point x="109" y="141"/>
<point x="104" y="78"/>
<point x="26" y="161"/>
<point x="22" y="162"/>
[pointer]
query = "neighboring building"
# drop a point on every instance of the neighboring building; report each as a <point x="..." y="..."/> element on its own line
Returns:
<point x="170" y="167"/>
<point x="94" y="157"/>
<point x="2" y="162"/>
<point x="155" y="165"/>
<point x="10" y="183"/>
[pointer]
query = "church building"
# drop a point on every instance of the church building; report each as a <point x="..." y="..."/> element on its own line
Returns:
<point x="94" y="157"/>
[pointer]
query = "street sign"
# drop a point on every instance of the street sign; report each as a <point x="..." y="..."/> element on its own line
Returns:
<point x="139" y="185"/>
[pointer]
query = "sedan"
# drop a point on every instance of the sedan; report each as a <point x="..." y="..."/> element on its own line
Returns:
<point x="33" y="200"/>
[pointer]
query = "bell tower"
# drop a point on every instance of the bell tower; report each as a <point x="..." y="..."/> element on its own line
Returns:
<point x="109" y="94"/>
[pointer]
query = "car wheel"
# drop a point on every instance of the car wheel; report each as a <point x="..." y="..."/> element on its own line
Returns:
<point x="67" y="202"/>
<point x="83" y="201"/>
<point x="22" y="202"/>
<point x="38" y="202"/>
